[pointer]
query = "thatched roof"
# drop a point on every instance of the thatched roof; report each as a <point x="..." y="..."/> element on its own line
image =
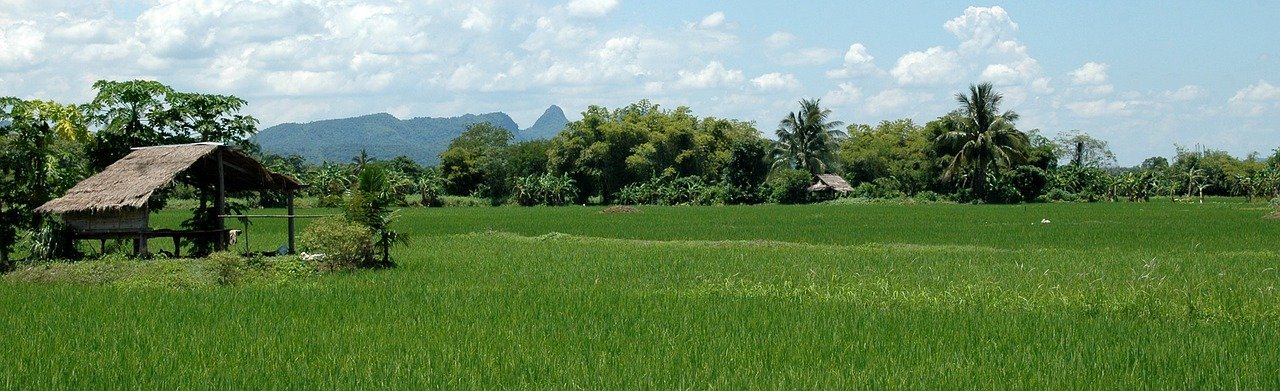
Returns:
<point x="830" y="182"/>
<point x="129" y="182"/>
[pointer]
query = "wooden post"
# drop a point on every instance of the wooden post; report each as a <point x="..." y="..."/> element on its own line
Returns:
<point x="289" y="203"/>
<point x="140" y="245"/>
<point x="220" y="205"/>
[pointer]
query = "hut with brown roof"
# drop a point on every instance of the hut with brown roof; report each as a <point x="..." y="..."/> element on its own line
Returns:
<point x="113" y="203"/>
<point x="829" y="185"/>
<point x="832" y="182"/>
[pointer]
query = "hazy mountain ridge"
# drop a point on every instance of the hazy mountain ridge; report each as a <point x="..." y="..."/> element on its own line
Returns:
<point x="384" y="136"/>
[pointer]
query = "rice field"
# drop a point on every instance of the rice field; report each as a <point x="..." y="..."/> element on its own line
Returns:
<point x="1120" y="296"/>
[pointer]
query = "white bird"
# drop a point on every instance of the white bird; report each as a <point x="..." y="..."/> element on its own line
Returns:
<point x="1044" y="221"/>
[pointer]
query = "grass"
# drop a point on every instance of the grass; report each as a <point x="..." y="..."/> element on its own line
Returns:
<point x="1157" y="295"/>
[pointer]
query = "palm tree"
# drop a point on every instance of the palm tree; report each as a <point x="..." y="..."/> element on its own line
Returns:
<point x="980" y="137"/>
<point x="806" y="140"/>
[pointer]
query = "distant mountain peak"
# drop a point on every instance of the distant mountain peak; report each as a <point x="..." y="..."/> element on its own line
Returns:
<point x="383" y="135"/>
<point x="547" y="126"/>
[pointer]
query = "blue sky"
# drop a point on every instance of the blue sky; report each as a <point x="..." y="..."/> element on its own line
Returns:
<point x="1144" y="76"/>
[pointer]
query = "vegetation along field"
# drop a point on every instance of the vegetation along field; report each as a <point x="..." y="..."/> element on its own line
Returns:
<point x="1113" y="295"/>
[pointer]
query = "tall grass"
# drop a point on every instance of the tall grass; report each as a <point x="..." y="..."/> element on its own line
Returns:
<point x="1125" y="296"/>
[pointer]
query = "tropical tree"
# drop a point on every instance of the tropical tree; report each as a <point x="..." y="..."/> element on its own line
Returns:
<point x="980" y="138"/>
<point x="476" y="160"/>
<point x="807" y="140"/>
<point x="130" y="114"/>
<point x="40" y="146"/>
<point x="1083" y="149"/>
<point x="369" y="203"/>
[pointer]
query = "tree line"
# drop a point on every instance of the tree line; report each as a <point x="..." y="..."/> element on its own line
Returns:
<point x="641" y="153"/>
<point x="645" y="154"/>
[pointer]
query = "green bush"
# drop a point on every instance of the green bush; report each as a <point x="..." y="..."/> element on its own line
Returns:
<point x="1030" y="181"/>
<point x="928" y="196"/>
<point x="789" y="186"/>
<point x="227" y="268"/>
<point x="461" y="201"/>
<point x="346" y="244"/>
<point x="544" y="189"/>
<point x="689" y="190"/>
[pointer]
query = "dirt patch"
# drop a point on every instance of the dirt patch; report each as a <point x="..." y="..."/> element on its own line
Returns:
<point x="621" y="209"/>
<point x="1272" y="215"/>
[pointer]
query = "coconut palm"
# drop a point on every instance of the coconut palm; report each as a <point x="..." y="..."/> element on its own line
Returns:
<point x="980" y="138"/>
<point x="807" y="140"/>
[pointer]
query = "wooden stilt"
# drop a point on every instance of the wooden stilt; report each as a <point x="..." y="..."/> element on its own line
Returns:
<point x="220" y="204"/>
<point x="289" y="203"/>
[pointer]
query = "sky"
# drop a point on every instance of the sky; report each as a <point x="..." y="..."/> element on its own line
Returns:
<point x="1145" y="76"/>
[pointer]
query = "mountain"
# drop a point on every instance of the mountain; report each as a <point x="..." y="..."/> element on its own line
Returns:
<point x="547" y="126"/>
<point x="384" y="136"/>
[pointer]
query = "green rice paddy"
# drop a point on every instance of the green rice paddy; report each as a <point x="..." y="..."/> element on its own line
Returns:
<point x="1111" y="295"/>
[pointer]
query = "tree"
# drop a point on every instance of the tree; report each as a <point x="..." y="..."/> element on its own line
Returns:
<point x="369" y="204"/>
<point x="607" y="150"/>
<point x="747" y="170"/>
<point x="980" y="138"/>
<point x="895" y="150"/>
<point x="1084" y="150"/>
<point x="209" y="118"/>
<point x="807" y="140"/>
<point x="131" y="114"/>
<point x="528" y="157"/>
<point x="476" y="160"/>
<point x="40" y="146"/>
<point x="140" y="113"/>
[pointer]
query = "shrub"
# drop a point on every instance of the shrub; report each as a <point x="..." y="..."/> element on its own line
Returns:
<point x="461" y="201"/>
<point x="1030" y="181"/>
<point x="545" y="189"/>
<point x="345" y="244"/>
<point x="1060" y="195"/>
<point x="689" y="190"/>
<point x="884" y="188"/>
<point x="928" y="196"/>
<point x="227" y="268"/>
<point x="789" y="186"/>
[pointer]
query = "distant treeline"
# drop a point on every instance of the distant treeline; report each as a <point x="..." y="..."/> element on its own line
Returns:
<point x="640" y="153"/>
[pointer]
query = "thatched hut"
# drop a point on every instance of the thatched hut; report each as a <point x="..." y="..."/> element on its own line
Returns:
<point x="113" y="203"/>
<point x="829" y="183"/>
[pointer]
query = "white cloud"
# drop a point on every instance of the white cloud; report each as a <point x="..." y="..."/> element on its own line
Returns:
<point x="1017" y="72"/>
<point x="477" y="20"/>
<point x="1090" y="73"/>
<point x="984" y="29"/>
<point x="893" y="99"/>
<point x="713" y="75"/>
<point x="715" y="19"/>
<point x="1041" y="86"/>
<point x="779" y="40"/>
<point x="1260" y="92"/>
<point x="808" y="56"/>
<point x="1187" y="92"/>
<point x="1255" y="99"/>
<point x="1100" y="108"/>
<point x="591" y="8"/>
<point x="933" y="66"/>
<point x="856" y="62"/>
<point x="845" y="94"/>
<point x="776" y="81"/>
<point x="21" y="44"/>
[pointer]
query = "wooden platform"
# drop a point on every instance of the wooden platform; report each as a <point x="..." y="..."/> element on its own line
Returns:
<point x="220" y="236"/>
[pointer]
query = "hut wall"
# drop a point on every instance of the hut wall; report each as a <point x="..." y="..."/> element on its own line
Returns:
<point x="127" y="220"/>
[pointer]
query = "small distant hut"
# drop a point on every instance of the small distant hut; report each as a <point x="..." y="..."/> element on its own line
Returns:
<point x="829" y="186"/>
<point x="113" y="203"/>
